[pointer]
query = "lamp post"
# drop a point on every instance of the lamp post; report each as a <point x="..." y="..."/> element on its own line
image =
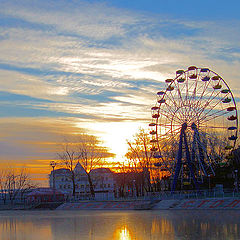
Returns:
<point x="236" y="179"/>
<point x="209" y="183"/>
<point x="134" y="188"/>
<point x="53" y="165"/>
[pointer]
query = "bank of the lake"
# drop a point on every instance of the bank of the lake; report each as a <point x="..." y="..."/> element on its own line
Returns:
<point x="166" y="204"/>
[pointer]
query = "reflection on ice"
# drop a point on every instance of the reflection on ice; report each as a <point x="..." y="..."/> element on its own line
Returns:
<point x="119" y="225"/>
<point x="122" y="233"/>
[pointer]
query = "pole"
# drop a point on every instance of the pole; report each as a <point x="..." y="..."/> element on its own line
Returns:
<point x="53" y="178"/>
<point x="209" y="183"/>
<point x="53" y="165"/>
<point x="134" y="188"/>
<point x="236" y="179"/>
<point x="54" y="193"/>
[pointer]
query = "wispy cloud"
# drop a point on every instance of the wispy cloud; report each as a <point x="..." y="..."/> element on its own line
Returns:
<point x="34" y="138"/>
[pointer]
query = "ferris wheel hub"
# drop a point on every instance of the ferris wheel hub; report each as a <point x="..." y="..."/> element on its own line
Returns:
<point x="193" y="126"/>
<point x="184" y="126"/>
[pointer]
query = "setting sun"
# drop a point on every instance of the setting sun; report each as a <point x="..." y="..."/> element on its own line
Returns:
<point x="115" y="135"/>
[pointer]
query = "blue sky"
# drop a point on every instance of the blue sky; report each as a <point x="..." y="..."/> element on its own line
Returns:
<point x="196" y="10"/>
<point x="95" y="66"/>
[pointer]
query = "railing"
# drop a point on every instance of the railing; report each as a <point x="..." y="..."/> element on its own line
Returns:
<point x="150" y="196"/>
<point x="192" y="194"/>
<point x="189" y="194"/>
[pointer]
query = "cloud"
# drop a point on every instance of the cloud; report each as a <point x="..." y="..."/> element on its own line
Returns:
<point x="25" y="139"/>
<point x="93" y="20"/>
<point x="144" y="42"/>
<point x="101" y="50"/>
<point x="30" y="85"/>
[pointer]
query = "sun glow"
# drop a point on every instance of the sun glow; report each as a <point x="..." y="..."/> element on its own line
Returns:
<point x="115" y="135"/>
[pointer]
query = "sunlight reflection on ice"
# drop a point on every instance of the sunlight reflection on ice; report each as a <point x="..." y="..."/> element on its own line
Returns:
<point x="122" y="234"/>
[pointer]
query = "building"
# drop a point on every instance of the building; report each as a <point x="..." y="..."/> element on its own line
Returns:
<point x="102" y="180"/>
<point x="104" y="183"/>
<point x="40" y="195"/>
<point x="62" y="180"/>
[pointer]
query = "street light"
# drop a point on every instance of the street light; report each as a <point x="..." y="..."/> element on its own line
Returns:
<point x="209" y="183"/>
<point x="53" y="165"/>
<point x="134" y="188"/>
<point x="236" y="179"/>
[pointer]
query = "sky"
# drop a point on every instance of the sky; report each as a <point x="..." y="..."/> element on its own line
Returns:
<point x="69" y="67"/>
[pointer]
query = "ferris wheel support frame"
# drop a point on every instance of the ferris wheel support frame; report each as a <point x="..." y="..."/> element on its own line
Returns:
<point x="201" y="152"/>
<point x="190" y="158"/>
<point x="183" y="139"/>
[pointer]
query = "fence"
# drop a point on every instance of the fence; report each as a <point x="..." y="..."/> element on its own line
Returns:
<point x="226" y="193"/>
<point x="163" y="195"/>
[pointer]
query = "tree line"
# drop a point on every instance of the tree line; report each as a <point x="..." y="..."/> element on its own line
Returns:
<point x="156" y="172"/>
<point x="14" y="184"/>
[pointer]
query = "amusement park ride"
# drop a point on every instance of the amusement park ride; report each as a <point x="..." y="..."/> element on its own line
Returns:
<point x="195" y="125"/>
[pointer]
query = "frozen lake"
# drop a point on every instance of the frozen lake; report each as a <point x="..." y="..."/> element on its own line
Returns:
<point x="122" y="225"/>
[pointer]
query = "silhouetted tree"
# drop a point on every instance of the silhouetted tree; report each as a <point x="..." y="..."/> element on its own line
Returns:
<point x="14" y="182"/>
<point x="140" y="156"/>
<point x="92" y="155"/>
<point x="69" y="156"/>
<point x="86" y="149"/>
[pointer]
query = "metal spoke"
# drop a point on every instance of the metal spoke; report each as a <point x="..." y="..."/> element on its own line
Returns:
<point x="208" y="102"/>
<point x="203" y="93"/>
<point x="170" y="114"/>
<point x="172" y="99"/>
<point x="179" y="92"/>
<point x="170" y="109"/>
<point x="214" y="116"/>
<point x="212" y="107"/>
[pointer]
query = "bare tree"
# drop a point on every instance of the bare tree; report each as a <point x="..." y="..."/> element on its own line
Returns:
<point x="92" y="155"/>
<point x="88" y="151"/>
<point x="4" y="185"/>
<point x="68" y="157"/>
<point x="140" y="155"/>
<point x="14" y="182"/>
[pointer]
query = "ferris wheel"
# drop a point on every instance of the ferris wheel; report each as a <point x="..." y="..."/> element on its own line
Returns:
<point x="194" y="125"/>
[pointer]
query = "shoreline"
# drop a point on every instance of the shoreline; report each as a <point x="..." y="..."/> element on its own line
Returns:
<point x="164" y="204"/>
